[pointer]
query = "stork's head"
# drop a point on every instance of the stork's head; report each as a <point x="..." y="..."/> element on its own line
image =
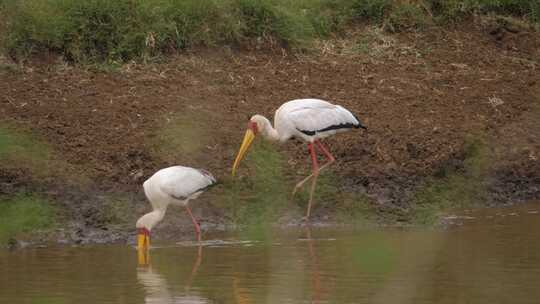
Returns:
<point x="256" y="125"/>
<point x="143" y="244"/>
<point x="144" y="226"/>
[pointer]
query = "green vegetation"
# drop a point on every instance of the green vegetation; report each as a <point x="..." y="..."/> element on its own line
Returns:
<point x="455" y="9"/>
<point x="20" y="149"/>
<point x="373" y="10"/>
<point x="8" y="67"/>
<point x="260" y="198"/>
<point x="407" y="16"/>
<point x="456" y="188"/>
<point x="99" y="30"/>
<point x="117" y="31"/>
<point x="349" y="207"/>
<point x="355" y="208"/>
<point x="183" y="134"/>
<point x="264" y="194"/>
<point x="118" y="210"/>
<point x="23" y="214"/>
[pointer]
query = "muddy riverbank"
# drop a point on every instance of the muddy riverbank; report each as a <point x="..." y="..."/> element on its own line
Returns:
<point x="455" y="107"/>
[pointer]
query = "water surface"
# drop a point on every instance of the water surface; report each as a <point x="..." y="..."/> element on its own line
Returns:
<point x="487" y="256"/>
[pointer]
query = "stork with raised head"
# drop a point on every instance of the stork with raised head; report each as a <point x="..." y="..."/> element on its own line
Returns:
<point x="175" y="185"/>
<point x="307" y="119"/>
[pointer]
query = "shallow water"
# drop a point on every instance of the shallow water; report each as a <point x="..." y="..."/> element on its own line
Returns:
<point x="487" y="256"/>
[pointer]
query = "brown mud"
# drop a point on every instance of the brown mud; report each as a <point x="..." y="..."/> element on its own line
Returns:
<point x="420" y="94"/>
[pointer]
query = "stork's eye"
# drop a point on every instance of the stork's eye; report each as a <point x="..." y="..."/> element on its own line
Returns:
<point x="253" y="126"/>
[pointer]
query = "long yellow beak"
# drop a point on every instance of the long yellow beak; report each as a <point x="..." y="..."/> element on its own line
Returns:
<point x="143" y="257"/>
<point x="143" y="244"/>
<point x="248" y="139"/>
<point x="143" y="241"/>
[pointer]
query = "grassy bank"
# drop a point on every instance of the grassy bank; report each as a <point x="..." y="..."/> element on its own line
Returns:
<point x="459" y="187"/>
<point x="263" y="194"/>
<point x="259" y="197"/>
<point x="25" y="150"/>
<point x="24" y="214"/>
<point x="100" y="30"/>
<point x="21" y="149"/>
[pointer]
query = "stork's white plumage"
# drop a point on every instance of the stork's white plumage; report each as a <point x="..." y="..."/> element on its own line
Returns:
<point x="171" y="186"/>
<point x="312" y="119"/>
<point x="306" y="119"/>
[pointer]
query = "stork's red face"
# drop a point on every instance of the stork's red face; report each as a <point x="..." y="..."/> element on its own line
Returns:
<point x="252" y="130"/>
<point x="253" y="127"/>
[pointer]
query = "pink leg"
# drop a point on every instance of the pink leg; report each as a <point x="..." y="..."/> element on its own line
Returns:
<point x="316" y="273"/>
<point x="315" y="174"/>
<point x="328" y="155"/>
<point x="314" y="161"/>
<point x="197" y="228"/>
<point x="195" y="267"/>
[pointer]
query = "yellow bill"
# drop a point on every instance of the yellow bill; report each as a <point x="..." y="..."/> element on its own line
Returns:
<point x="143" y="241"/>
<point x="248" y="139"/>
<point x="143" y="257"/>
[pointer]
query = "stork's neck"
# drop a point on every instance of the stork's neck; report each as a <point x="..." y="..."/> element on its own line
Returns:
<point x="268" y="131"/>
<point x="150" y="219"/>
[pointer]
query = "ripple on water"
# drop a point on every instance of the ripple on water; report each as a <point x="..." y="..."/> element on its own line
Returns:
<point x="496" y="259"/>
<point x="216" y="243"/>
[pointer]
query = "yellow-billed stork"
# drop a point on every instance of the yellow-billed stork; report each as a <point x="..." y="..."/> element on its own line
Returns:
<point x="171" y="186"/>
<point x="307" y="119"/>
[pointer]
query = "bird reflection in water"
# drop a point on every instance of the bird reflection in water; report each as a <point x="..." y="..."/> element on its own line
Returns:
<point x="241" y="294"/>
<point x="156" y="287"/>
<point x="316" y="274"/>
<point x="244" y="295"/>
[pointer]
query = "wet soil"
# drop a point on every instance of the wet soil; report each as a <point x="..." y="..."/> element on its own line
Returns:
<point x="420" y="94"/>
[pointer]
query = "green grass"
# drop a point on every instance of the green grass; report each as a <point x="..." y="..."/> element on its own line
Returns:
<point x="454" y="10"/>
<point x="118" y="31"/>
<point x="118" y="210"/>
<point x="407" y="16"/>
<point x="3" y="25"/>
<point x="260" y="193"/>
<point x="373" y="10"/>
<point x="22" y="149"/>
<point x="348" y="207"/>
<point x="24" y="214"/>
<point x="355" y="208"/>
<point x="184" y="135"/>
<point x="463" y="188"/>
<point x="7" y="67"/>
<point x="101" y="30"/>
